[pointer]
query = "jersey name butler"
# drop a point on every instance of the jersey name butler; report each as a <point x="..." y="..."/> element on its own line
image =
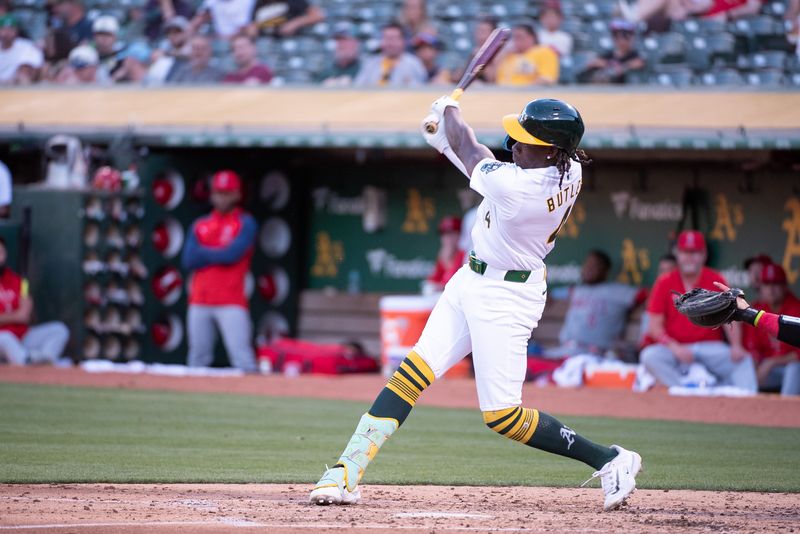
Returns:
<point x="564" y="196"/>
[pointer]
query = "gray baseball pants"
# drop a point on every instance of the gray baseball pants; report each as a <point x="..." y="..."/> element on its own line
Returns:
<point x="233" y="323"/>
<point x="785" y="377"/>
<point x="43" y="343"/>
<point x="714" y="355"/>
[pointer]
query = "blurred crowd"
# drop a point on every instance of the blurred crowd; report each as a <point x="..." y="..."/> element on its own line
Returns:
<point x="163" y="42"/>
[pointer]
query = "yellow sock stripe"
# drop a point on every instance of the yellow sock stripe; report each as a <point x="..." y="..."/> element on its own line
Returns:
<point x="493" y="417"/>
<point x="404" y="391"/>
<point x="527" y="420"/>
<point x="410" y="378"/>
<point x="409" y="386"/>
<point x="526" y="437"/>
<point x="400" y="393"/>
<point x="513" y="424"/>
<point x="410" y="392"/>
<point x="423" y="367"/>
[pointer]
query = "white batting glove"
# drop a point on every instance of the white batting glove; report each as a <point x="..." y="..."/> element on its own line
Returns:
<point x="437" y="140"/>
<point x="442" y="103"/>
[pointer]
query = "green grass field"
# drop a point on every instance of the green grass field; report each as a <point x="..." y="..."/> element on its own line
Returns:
<point x="58" y="434"/>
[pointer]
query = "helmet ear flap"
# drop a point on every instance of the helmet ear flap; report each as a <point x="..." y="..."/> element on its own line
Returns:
<point x="508" y="143"/>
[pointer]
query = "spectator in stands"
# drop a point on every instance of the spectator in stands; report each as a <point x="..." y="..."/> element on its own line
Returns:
<point x="284" y="17"/>
<point x="219" y="249"/>
<point x="778" y="368"/>
<point x="227" y="17"/>
<point x="20" y="59"/>
<point x="614" y="65"/>
<point x="413" y="19"/>
<point x="450" y="257"/>
<point x="197" y="69"/>
<point x="159" y="13"/>
<point x="20" y="342"/>
<point x="550" y="32"/>
<point x="82" y="68"/>
<point x="393" y="66"/>
<point x="134" y="64"/>
<point x="598" y="310"/>
<point x="427" y="47"/>
<point x="346" y="62"/>
<point x="72" y="16"/>
<point x="485" y="25"/>
<point x="659" y="13"/>
<point x="104" y="33"/>
<point x="5" y="7"/>
<point x="175" y="48"/>
<point x="792" y="21"/>
<point x="527" y="63"/>
<point x="754" y="266"/>
<point x="680" y="343"/>
<point x="250" y="70"/>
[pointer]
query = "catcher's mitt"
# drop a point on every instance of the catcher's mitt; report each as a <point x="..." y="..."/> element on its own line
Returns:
<point x="709" y="308"/>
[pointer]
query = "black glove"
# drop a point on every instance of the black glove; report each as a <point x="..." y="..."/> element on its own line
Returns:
<point x="712" y="308"/>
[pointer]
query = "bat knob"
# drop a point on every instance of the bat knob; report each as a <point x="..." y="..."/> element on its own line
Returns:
<point x="431" y="127"/>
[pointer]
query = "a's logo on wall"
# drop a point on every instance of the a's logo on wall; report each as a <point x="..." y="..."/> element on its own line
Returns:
<point x="329" y="255"/>
<point x="791" y="225"/>
<point x="729" y="218"/>
<point x="634" y="261"/>
<point x="572" y="228"/>
<point x="627" y="205"/>
<point x="419" y="210"/>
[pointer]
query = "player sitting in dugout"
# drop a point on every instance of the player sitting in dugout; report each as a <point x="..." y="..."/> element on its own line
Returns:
<point x="598" y="310"/>
<point x="22" y="343"/>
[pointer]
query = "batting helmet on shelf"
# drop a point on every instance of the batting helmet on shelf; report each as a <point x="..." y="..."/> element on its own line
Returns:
<point x="545" y="122"/>
<point x="107" y="179"/>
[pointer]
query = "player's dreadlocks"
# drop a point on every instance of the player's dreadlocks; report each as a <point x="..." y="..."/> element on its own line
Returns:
<point x="564" y="161"/>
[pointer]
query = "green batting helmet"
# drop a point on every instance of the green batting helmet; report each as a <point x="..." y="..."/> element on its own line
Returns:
<point x="545" y="122"/>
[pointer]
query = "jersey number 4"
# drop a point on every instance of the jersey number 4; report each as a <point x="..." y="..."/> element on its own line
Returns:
<point x="560" y="225"/>
<point x="488" y="220"/>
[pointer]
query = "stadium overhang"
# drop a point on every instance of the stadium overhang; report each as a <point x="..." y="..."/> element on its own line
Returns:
<point x="625" y="118"/>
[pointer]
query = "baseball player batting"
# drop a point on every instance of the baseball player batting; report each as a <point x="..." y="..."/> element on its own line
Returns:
<point x="493" y="302"/>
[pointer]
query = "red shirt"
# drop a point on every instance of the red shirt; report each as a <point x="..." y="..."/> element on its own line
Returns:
<point x="443" y="273"/>
<point x="257" y="73"/>
<point x="220" y="285"/>
<point x="676" y="325"/>
<point x="762" y="345"/>
<point x="723" y="6"/>
<point x="12" y="287"/>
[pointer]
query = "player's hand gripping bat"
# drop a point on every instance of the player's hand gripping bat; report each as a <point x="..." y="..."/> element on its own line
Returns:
<point x="488" y="50"/>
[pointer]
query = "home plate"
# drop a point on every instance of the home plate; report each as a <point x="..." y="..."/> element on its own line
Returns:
<point x="440" y="515"/>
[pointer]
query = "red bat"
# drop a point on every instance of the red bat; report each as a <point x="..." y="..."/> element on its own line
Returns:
<point x="488" y="50"/>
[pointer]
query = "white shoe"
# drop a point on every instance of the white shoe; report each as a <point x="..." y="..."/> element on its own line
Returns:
<point x="618" y="477"/>
<point x="331" y="489"/>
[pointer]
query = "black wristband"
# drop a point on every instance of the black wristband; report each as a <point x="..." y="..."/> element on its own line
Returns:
<point x="748" y="316"/>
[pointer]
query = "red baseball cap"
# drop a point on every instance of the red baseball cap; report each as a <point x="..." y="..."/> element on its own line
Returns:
<point x="450" y="224"/>
<point x="773" y="274"/>
<point x="226" y="181"/>
<point x="691" y="241"/>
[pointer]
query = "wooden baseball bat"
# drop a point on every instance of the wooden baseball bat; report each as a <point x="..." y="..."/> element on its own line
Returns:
<point x="488" y="50"/>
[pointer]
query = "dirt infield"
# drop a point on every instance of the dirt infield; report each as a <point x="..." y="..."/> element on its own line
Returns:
<point x="275" y="508"/>
<point x="763" y="410"/>
<point x="95" y="508"/>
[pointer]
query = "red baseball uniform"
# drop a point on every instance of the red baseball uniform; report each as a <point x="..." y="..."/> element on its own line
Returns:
<point x="676" y="325"/>
<point x="219" y="284"/>
<point x="759" y="342"/>
<point x="12" y="288"/>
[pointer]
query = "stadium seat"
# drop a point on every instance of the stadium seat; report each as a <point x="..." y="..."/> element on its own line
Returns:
<point x="773" y="60"/>
<point x="698" y="55"/>
<point x="572" y="25"/>
<point x="794" y="79"/>
<point x="679" y="77"/>
<point x="727" y="77"/>
<point x="766" y="78"/>
<point x="722" y="47"/>
<point x="774" y="9"/>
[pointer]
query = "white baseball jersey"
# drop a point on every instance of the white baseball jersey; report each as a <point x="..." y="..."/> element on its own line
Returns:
<point x="521" y="213"/>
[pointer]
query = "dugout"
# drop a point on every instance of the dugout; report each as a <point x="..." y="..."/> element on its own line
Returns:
<point x="348" y="179"/>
